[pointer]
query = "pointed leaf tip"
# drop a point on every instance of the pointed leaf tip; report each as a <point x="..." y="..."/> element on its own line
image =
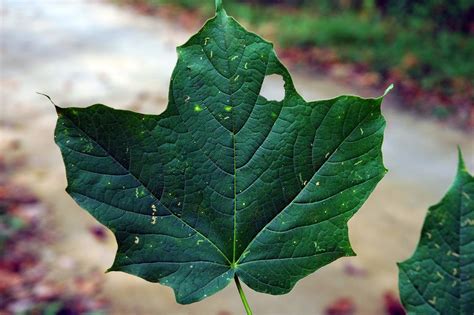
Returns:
<point x="48" y="97"/>
<point x="388" y="90"/>
<point x="56" y="107"/>
<point x="461" y="163"/>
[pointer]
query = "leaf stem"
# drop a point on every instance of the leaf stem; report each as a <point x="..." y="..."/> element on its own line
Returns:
<point x="218" y="5"/>
<point x="242" y="295"/>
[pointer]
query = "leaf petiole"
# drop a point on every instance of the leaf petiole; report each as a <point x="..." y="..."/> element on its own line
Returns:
<point x="242" y="295"/>
<point x="218" y="5"/>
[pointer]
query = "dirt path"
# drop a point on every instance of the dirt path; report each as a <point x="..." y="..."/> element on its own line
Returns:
<point x="83" y="52"/>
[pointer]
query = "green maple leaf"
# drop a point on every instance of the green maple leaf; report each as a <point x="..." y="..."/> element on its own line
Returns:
<point x="439" y="277"/>
<point x="225" y="184"/>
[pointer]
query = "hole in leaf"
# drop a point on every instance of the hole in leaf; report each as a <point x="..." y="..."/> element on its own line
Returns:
<point x="273" y="88"/>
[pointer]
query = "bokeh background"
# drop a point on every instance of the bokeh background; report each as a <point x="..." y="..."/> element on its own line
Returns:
<point x="121" y="52"/>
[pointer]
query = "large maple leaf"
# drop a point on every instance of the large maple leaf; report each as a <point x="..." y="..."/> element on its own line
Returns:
<point x="225" y="184"/>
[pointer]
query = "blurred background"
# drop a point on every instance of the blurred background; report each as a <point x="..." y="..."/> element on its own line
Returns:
<point x="53" y="255"/>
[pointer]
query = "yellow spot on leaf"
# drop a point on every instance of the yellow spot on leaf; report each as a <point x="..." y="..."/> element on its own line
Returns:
<point x="139" y="193"/>
<point x="197" y="108"/>
<point x="88" y="148"/>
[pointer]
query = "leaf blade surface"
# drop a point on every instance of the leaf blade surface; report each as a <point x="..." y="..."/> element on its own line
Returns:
<point x="225" y="182"/>
<point x="439" y="277"/>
